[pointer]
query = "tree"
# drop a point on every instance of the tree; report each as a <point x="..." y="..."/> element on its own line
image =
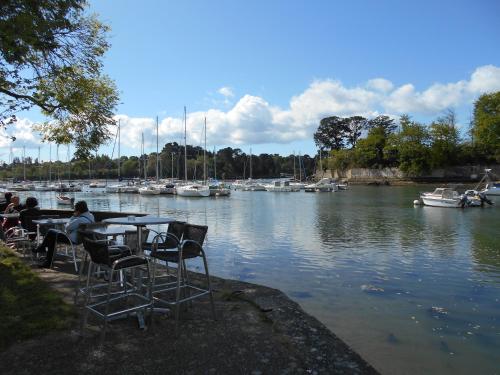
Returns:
<point x="331" y="133"/>
<point x="383" y="122"/>
<point x="445" y="139"/>
<point x="412" y="144"/>
<point x="355" y="125"/>
<point x="486" y="128"/>
<point x="51" y="58"/>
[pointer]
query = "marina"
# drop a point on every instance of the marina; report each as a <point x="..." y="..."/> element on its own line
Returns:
<point x="385" y="276"/>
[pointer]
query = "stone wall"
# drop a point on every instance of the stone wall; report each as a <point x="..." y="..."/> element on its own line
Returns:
<point x="471" y="173"/>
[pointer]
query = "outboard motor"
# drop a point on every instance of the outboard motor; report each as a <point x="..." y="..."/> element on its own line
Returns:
<point x="484" y="198"/>
<point x="464" y="201"/>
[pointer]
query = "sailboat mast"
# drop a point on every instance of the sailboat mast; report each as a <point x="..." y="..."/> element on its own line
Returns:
<point x="119" y="135"/>
<point x="300" y="169"/>
<point x="185" y="147"/>
<point x="215" y="165"/>
<point x="24" y="163"/>
<point x="294" y="178"/>
<point x="69" y="163"/>
<point x="205" y="155"/>
<point x="39" y="169"/>
<point x="144" y="160"/>
<point x="50" y="162"/>
<point x="157" y="153"/>
<point x="250" y="164"/>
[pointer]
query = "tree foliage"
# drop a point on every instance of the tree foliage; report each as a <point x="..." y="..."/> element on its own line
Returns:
<point x="51" y="58"/>
<point x="486" y="123"/>
<point x="331" y="133"/>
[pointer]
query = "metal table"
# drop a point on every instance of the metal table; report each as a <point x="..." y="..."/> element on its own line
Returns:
<point x="55" y="223"/>
<point x="139" y="222"/>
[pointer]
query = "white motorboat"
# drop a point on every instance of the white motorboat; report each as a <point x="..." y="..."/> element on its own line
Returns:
<point x="94" y="188"/>
<point x="476" y="198"/>
<point x="444" y="197"/>
<point x="64" y="200"/>
<point x="149" y="190"/>
<point x="323" y="185"/>
<point x="218" y="189"/>
<point x="193" y="190"/>
<point x="114" y="188"/>
<point x="43" y="187"/>
<point x="282" y="186"/>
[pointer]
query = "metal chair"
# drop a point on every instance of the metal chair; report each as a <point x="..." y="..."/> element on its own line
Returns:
<point x="190" y="247"/>
<point x="115" y="260"/>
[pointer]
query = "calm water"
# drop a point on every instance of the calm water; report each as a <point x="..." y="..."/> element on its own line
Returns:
<point x="414" y="290"/>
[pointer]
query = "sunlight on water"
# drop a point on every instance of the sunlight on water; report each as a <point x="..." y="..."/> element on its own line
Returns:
<point x="412" y="289"/>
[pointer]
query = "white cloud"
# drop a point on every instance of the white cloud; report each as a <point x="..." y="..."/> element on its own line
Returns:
<point x="380" y="84"/>
<point x="226" y="91"/>
<point x="253" y="120"/>
<point x="23" y="131"/>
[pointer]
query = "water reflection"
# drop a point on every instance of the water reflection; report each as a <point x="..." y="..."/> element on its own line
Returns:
<point x="413" y="289"/>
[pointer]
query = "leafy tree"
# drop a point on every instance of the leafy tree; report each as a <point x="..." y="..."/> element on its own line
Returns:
<point x="51" y="58"/>
<point x="445" y="139"/>
<point x="412" y="144"/>
<point x="384" y="123"/>
<point x="355" y="125"/>
<point x="331" y="133"/>
<point x="486" y="128"/>
<point x="341" y="159"/>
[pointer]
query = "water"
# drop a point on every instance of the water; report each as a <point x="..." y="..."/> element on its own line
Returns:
<point x="414" y="290"/>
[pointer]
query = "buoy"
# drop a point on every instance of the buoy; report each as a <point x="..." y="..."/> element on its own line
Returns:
<point x="416" y="202"/>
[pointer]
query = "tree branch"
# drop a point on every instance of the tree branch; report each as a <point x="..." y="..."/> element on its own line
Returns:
<point x="46" y="107"/>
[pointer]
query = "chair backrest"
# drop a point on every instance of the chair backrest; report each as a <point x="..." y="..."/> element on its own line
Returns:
<point x="98" y="250"/>
<point x="130" y="238"/>
<point x="177" y="229"/>
<point x="195" y="233"/>
<point x="85" y="230"/>
<point x="29" y="225"/>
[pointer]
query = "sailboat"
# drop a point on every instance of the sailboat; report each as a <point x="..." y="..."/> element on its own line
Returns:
<point x="191" y="190"/>
<point x="148" y="189"/>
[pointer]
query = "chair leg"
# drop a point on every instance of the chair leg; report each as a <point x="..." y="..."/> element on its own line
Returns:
<point x="178" y="297"/>
<point x="106" y="310"/>
<point x="86" y="300"/>
<point x="79" y="283"/>
<point x="210" y="293"/>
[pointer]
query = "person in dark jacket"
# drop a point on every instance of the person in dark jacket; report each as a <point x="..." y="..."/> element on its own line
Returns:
<point x="80" y="216"/>
<point x="6" y="201"/>
<point x="31" y="211"/>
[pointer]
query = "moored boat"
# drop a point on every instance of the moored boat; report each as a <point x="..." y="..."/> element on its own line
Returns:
<point x="193" y="190"/>
<point x="444" y="197"/>
<point x="65" y="200"/>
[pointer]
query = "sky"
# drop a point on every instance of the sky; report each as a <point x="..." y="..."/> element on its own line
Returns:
<point x="264" y="73"/>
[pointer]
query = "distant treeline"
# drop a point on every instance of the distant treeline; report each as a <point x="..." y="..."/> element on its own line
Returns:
<point x="229" y="164"/>
<point x="413" y="147"/>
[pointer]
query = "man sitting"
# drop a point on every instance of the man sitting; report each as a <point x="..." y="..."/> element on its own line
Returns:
<point x="81" y="216"/>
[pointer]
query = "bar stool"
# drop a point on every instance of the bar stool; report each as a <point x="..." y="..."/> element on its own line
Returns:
<point x="116" y="260"/>
<point x="190" y="247"/>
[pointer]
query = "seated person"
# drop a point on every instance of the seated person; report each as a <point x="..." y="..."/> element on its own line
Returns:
<point x="31" y="211"/>
<point x="14" y="207"/>
<point x="6" y="201"/>
<point x="81" y="216"/>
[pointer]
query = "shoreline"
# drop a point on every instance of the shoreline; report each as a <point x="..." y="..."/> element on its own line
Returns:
<point x="259" y="330"/>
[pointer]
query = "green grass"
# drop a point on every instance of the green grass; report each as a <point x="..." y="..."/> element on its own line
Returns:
<point x="28" y="307"/>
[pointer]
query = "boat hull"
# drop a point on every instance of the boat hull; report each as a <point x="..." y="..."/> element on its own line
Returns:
<point x="189" y="191"/>
<point x="442" y="202"/>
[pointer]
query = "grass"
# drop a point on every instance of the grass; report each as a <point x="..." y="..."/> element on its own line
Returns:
<point x="28" y="307"/>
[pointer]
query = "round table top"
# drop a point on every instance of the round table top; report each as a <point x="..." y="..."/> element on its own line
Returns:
<point x="139" y="220"/>
<point x="61" y="220"/>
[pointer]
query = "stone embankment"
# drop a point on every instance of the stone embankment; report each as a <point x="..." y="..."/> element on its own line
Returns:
<point x="394" y="176"/>
<point x="258" y="331"/>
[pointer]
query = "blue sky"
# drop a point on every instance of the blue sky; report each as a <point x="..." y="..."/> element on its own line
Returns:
<point x="265" y="72"/>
